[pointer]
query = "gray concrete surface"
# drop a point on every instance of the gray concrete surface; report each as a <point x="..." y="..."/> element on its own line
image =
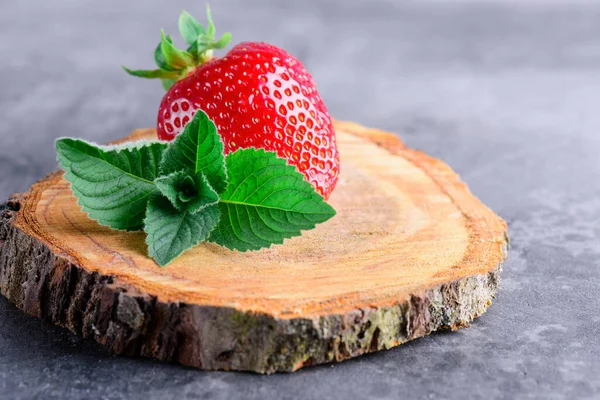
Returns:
<point x="507" y="93"/>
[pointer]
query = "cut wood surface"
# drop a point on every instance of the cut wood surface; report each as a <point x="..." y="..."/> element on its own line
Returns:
<point x="410" y="251"/>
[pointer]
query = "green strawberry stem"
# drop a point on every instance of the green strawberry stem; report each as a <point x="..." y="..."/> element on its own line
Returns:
<point x="174" y="63"/>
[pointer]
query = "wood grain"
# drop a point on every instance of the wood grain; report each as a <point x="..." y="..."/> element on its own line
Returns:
<point x="410" y="251"/>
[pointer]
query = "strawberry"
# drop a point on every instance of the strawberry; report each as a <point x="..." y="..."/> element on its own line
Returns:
<point x="258" y="95"/>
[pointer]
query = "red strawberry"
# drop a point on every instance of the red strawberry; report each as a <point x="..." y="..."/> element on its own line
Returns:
<point x="258" y="95"/>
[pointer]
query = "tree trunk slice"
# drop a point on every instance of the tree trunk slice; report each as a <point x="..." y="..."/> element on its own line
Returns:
<point x="411" y="251"/>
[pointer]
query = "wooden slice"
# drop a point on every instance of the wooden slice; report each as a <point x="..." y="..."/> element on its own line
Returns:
<point x="410" y="251"/>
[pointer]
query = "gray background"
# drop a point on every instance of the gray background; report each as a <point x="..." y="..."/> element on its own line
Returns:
<point x="506" y="93"/>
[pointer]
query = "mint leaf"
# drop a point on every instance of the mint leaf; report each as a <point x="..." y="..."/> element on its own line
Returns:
<point x="112" y="184"/>
<point x="171" y="232"/>
<point x="266" y="201"/>
<point x="198" y="149"/>
<point x="186" y="193"/>
<point x="189" y="27"/>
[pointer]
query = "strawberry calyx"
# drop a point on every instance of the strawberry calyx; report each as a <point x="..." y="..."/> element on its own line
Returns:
<point x="174" y="63"/>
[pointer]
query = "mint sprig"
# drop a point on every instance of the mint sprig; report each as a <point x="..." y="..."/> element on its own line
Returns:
<point x="184" y="192"/>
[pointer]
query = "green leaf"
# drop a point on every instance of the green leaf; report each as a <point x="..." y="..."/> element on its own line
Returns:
<point x="266" y="201"/>
<point x="186" y="193"/>
<point x="150" y="74"/>
<point x="189" y="27"/>
<point x="159" y="57"/>
<point x="112" y="184"/>
<point x="174" y="57"/>
<point x="199" y="46"/>
<point x="202" y="48"/>
<point x="171" y="232"/>
<point x="210" y="28"/>
<point x="167" y="83"/>
<point x="173" y="63"/>
<point x="198" y="149"/>
<point x="223" y="41"/>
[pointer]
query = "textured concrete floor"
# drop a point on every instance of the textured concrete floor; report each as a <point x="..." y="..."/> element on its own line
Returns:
<point x="507" y="93"/>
